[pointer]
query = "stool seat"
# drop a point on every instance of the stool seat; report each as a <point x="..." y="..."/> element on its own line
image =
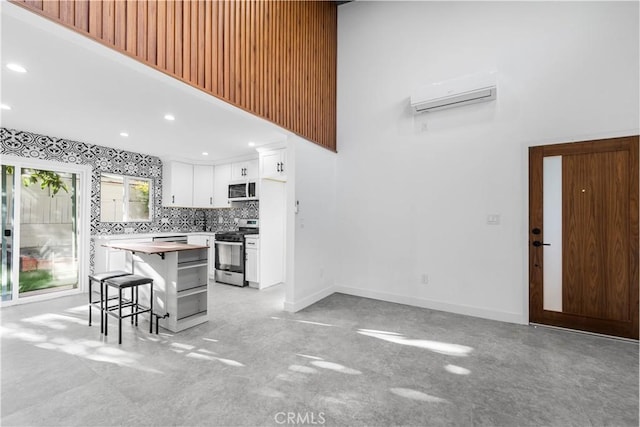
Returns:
<point x="128" y="281"/>
<point x="99" y="277"/>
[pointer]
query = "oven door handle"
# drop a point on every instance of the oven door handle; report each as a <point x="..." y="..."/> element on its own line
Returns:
<point x="218" y="242"/>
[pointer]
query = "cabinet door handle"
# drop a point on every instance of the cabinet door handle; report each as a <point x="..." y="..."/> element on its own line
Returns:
<point x="281" y="167"/>
<point x="210" y="200"/>
<point x="173" y="199"/>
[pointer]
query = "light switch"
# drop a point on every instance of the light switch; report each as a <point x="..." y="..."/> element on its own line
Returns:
<point x="493" y="219"/>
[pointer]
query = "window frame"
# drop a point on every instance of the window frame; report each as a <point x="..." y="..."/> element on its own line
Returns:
<point x="126" y="180"/>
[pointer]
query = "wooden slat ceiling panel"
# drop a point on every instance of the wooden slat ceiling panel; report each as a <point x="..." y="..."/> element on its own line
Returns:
<point x="275" y="59"/>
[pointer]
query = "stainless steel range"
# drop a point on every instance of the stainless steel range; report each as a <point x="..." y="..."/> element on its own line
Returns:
<point x="230" y="254"/>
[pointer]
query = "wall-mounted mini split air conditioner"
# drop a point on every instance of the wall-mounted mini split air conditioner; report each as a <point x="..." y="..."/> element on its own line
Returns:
<point x="455" y="92"/>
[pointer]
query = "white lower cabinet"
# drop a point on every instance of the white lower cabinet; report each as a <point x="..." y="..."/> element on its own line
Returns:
<point x="206" y="240"/>
<point x="252" y="261"/>
<point x="180" y="286"/>
<point x="109" y="259"/>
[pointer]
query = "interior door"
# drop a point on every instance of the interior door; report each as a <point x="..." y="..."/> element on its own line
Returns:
<point x="583" y="236"/>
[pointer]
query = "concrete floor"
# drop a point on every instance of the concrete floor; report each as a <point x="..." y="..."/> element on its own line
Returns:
<point x="343" y="361"/>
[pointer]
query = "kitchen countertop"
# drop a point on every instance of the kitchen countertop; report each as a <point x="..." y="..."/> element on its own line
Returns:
<point x="154" y="247"/>
<point x="150" y="235"/>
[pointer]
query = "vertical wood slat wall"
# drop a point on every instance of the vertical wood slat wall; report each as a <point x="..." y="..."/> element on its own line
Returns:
<point x="275" y="59"/>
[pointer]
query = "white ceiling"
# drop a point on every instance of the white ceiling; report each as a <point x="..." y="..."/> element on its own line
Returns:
<point x="78" y="89"/>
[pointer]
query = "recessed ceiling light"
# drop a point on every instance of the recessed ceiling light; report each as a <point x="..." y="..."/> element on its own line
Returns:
<point x="252" y="144"/>
<point x="5" y="107"/>
<point x="17" y="68"/>
<point x="169" y="117"/>
<point x="124" y="134"/>
<point x="204" y="153"/>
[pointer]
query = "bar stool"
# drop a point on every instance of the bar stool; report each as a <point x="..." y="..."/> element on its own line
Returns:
<point x="133" y="282"/>
<point x="100" y="278"/>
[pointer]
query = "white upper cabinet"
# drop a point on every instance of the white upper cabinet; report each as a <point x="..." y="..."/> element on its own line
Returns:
<point x="177" y="184"/>
<point x="244" y="171"/>
<point x="222" y="177"/>
<point x="203" y="178"/>
<point x="274" y="164"/>
<point x="203" y="186"/>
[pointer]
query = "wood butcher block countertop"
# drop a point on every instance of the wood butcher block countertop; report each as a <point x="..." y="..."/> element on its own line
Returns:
<point x="154" y="247"/>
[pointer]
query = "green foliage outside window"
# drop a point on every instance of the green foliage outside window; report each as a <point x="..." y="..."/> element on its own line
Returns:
<point x="47" y="179"/>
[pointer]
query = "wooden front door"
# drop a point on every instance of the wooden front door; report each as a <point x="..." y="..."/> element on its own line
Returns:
<point x="583" y="236"/>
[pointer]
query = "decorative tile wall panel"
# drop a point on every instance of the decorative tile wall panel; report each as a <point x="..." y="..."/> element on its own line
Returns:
<point x="105" y="159"/>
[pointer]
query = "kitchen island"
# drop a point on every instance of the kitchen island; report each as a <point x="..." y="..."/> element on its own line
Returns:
<point x="180" y="279"/>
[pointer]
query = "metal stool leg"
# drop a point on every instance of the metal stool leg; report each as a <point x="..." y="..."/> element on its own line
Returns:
<point x="90" y="302"/>
<point x="105" y="312"/>
<point x="120" y="316"/>
<point x="136" y="306"/>
<point x="151" y="308"/>
<point x="102" y="308"/>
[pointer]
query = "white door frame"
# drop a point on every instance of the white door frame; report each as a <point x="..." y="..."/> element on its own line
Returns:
<point x="83" y="229"/>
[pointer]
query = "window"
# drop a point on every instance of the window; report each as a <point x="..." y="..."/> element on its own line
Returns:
<point x="124" y="198"/>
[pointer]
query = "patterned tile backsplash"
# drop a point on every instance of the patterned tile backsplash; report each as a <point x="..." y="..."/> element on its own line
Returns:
<point x="105" y="159"/>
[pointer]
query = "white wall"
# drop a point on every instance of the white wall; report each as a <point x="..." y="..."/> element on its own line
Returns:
<point x="315" y="241"/>
<point x="414" y="191"/>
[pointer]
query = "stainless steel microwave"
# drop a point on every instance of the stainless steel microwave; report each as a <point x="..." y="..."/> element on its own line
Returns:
<point x="245" y="190"/>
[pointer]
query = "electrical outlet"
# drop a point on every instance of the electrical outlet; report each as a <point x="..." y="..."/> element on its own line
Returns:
<point x="424" y="279"/>
<point x="220" y="221"/>
<point x="128" y="230"/>
<point x="164" y="221"/>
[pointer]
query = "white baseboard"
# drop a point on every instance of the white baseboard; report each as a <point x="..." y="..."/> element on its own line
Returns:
<point x="263" y="286"/>
<point x="434" y="305"/>
<point x="294" y="306"/>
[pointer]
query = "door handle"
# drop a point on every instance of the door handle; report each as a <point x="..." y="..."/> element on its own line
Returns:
<point x="537" y="243"/>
